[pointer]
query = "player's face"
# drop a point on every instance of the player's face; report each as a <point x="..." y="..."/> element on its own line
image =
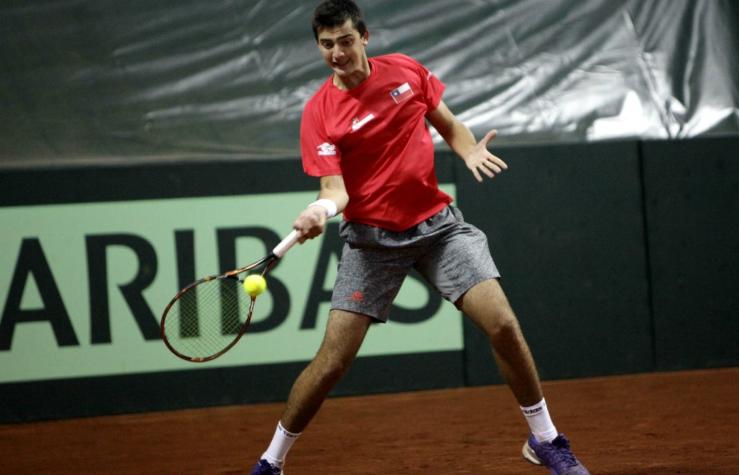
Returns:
<point x="343" y="49"/>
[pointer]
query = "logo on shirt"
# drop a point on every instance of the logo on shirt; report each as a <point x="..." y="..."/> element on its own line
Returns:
<point x="402" y="93"/>
<point x="326" y="149"/>
<point x="358" y="124"/>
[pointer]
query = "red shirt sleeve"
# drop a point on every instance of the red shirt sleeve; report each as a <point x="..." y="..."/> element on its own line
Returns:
<point x="433" y="89"/>
<point x="320" y="156"/>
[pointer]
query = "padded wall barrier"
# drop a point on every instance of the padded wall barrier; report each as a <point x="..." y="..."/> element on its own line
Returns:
<point x="618" y="257"/>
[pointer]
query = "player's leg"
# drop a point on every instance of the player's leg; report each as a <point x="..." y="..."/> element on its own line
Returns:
<point x="487" y="307"/>
<point x="345" y="332"/>
<point x="459" y="264"/>
<point x="366" y="284"/>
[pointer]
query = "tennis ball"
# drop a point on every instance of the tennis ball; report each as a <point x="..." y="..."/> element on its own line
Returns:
<point x="254" y="285"/>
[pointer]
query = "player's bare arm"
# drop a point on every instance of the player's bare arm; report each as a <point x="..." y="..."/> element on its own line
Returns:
<point x="475" y="154"/>
<point x="312" y="220"/>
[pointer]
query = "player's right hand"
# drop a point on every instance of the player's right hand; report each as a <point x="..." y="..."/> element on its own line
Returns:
<point x="310" y="223"/>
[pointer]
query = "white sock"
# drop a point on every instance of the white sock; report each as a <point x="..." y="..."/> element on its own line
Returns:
<point x="540" y="423"/>
<point x="281" y="443"/>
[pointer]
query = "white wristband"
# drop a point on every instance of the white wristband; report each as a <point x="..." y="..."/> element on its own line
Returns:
<point x="328" y="205"/>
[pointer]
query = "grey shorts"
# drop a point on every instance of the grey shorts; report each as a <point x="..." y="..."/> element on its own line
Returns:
<point x="452" y="255"/>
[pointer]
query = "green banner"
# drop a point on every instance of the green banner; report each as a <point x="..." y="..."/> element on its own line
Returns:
<point x="82" y="286"/>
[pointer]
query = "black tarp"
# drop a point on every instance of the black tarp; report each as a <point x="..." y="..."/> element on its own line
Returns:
<point x="90" y="81"/>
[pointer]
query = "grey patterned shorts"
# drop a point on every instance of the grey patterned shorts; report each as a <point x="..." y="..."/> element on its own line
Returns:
<point x="452" y="255"/>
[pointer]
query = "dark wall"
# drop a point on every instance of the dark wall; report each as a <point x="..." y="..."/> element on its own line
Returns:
<point x="565" y="225"/>
<point x="618" y="257"/>
<point x="692" y="209"/>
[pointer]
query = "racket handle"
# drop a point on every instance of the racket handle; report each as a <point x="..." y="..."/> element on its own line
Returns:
<point x="286" y="244"/>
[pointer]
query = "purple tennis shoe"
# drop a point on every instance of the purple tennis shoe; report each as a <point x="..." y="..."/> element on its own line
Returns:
<point x="265" y="468"/>
<point x="555" y="455"/>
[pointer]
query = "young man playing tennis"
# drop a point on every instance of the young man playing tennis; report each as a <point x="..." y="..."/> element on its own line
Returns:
<point x="364" y="134"/>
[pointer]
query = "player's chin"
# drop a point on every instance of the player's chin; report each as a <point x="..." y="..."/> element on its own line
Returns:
<point x="342" y="70"/>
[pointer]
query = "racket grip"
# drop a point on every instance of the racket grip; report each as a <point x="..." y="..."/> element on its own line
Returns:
<point x="286" y="244"/>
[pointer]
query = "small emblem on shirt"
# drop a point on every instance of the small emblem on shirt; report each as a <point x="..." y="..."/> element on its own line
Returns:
<point x="401" y="93"/>
<point x="326" y="149"/>
<point x="359" y="123"/>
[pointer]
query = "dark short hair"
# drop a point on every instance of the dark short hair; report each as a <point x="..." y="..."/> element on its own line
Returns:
<point x="332" y="13"/>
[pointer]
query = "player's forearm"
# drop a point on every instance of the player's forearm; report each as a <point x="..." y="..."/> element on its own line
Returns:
<point x="457" y="135"/>
<point x="332" y="188"/>
<point x="459" y="138"/>
<point x="337" y="197"/>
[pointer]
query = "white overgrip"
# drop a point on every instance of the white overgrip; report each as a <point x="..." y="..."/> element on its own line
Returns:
<point x="286" y="244"/>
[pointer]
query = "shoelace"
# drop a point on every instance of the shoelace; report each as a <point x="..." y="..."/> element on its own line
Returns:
<point x="560" y="452"/>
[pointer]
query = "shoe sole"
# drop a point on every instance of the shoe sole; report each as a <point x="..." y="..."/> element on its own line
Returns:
<point x="529" y="454"/>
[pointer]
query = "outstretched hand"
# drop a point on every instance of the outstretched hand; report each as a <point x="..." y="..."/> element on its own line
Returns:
<point x="481" y="162"/>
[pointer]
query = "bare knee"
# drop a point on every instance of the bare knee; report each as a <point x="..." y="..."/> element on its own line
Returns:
<point x="502" y="328"/>
<point x="330" y="368"/>
<point x="344" y="335"/>
<point x="487" y="306"/>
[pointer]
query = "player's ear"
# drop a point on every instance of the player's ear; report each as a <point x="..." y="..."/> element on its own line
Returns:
<point x="365" y="37"/>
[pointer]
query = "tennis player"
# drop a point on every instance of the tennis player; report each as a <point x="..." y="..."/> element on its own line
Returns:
<point x="364" y="134"/>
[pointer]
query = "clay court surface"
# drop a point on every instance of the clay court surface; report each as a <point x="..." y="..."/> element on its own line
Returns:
<point x="667" y="423"/>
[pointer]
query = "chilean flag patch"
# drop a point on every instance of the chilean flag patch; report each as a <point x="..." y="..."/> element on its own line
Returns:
<point x="402" y="93"/>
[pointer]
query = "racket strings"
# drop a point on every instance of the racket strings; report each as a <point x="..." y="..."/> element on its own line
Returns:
<point x="207" y="318"/>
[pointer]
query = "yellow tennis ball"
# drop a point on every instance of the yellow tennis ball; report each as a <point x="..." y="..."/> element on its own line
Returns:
<point x="254" y="285"/>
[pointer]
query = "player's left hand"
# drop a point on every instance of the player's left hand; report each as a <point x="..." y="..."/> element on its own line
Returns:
<point x="481" y="162"/>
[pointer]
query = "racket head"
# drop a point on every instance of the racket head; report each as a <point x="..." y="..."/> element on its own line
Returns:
<point x="209" y="316"/>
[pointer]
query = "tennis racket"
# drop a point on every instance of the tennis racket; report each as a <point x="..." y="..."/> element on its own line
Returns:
<point x="208" y="317"/>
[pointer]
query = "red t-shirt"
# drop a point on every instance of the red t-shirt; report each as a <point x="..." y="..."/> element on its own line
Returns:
<point x="375" y="136"/>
